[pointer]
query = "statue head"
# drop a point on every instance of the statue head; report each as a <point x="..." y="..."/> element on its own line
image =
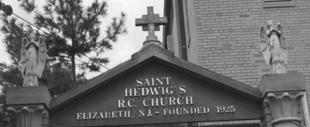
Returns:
<point x="273" y="29"/>
<point x="32" y="40"/>
<point x="35" y="36"/>
<point x="269" y="23"/>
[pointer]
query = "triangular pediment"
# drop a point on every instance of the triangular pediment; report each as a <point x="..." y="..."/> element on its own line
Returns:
<point x="154" y="86"/>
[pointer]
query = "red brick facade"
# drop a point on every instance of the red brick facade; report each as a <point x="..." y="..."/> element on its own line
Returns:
<point x="229" y="37"/>
<point x="226" y="33"/>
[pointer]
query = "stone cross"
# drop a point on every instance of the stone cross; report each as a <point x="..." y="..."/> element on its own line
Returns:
<point x="150" y="22"/>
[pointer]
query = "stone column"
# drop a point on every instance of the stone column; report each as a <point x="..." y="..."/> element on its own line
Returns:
<point x="285" y="108"/>
<point x="28" y="106"/>
<point x="29" y="116"/>
<point x="282" y="99"/>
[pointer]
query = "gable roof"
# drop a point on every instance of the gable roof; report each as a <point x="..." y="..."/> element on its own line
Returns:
<point x="145" y="55"/>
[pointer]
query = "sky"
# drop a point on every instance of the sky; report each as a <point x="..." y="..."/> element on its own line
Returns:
<point x="126" y="45"/>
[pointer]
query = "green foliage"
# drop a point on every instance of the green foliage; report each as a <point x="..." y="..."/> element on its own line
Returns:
<point x="28" y="5"/>
<point x="71" y="31"/>
<point x="9" y="75"/>
<point x="13" y="34"/>
<point x="78" y="31"/>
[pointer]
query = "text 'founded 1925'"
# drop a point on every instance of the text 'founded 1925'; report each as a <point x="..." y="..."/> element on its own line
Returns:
<point x="155" y="96"/>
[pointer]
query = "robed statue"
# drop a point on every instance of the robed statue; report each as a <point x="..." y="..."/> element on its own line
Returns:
<point x="273" y="47"/>
<point x="33" y="56"/>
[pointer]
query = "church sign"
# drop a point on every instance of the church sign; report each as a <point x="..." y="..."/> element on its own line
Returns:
<point x="156" y="93"/>
<point x="156" y="96"/>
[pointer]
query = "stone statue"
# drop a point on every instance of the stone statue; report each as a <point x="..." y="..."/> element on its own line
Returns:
<point x="273" y="47"/>
<point x="32" y="59"/>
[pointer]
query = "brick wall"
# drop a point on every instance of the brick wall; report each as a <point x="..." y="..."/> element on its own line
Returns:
<point x="227" y="37"/>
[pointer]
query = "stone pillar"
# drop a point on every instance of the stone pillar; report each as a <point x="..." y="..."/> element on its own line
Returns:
<point x="282" y="99"/>
<point x="28" y="106"/>
<point x="285" y="108"/>
<point x="29" y="116"/>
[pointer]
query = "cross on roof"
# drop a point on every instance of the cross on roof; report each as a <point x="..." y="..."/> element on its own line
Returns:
<point x="150" y="18"/>
<point x="150" y="22"/>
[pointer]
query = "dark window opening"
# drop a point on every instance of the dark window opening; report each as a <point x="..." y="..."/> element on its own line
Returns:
<point x="278" y="3"/>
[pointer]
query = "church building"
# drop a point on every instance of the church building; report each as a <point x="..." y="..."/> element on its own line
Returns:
<point x="221" y="63"/>
<point x="223" y="35"/>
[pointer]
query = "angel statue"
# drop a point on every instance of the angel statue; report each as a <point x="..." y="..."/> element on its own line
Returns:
<point x="273" y="47"/>
<point x="33" y="56"/>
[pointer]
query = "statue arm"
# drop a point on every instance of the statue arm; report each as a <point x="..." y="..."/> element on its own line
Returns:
<point x="23" y="56"/>
<point x="282" y="37"/>
<point x="263" y="39"/>
<point x="264" y="45"/>
<point x="282" y="42"/>
<point x="42" y="56"/>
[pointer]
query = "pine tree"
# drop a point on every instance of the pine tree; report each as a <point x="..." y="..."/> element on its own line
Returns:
<point x="79" y="30"/>
<point x="71" y="32"/>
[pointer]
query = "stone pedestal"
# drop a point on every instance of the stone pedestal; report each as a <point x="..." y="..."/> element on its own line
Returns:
<point x="156" y="42"/>
<point x="282" y="103"/>
<point x="28" y="106"/>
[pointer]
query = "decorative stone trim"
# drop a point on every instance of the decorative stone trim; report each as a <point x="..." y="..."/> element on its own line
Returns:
<point x="284" y="108"/>
<point x="29" y="115"/>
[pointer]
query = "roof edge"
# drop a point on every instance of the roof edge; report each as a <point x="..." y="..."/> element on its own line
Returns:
<point x="150" y="52"/>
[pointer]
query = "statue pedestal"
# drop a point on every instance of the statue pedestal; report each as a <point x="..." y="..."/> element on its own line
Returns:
<point x="28" y="106"/>
<point x="282" y="103"/>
